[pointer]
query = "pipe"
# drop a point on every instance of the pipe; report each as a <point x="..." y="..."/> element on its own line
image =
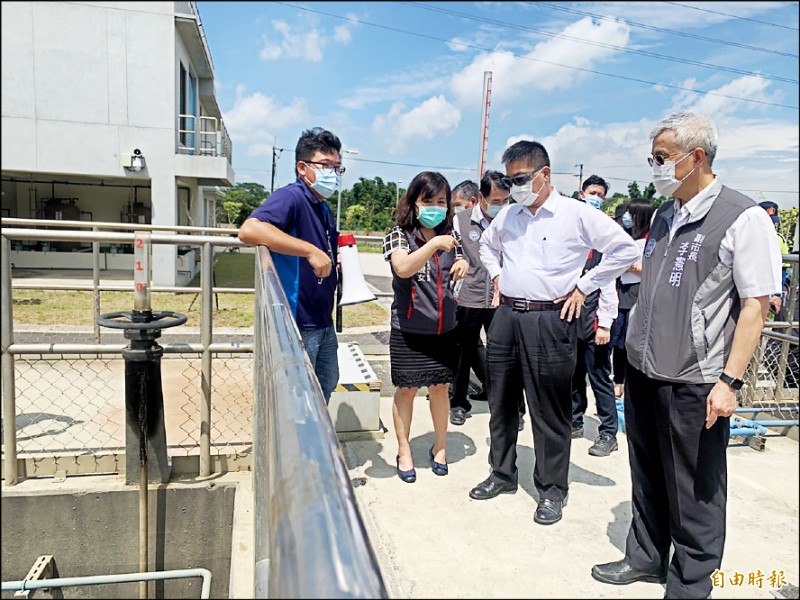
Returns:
<point x="174" y="348"/>
<point x="753" y="409"/>
<point x="38" y="584"/>
<point x="53" y="235"/>
<point x="745" y="431"/>
<point x="20" y="222"/>
<point x="778" y="422"/>
<point x="749" y="424"/>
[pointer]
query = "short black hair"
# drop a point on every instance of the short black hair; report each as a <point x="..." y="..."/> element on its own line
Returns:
<point x="312" y="140"/>
<point x="425" y="185"/>
<point x="594" y="180"/>
<point x="493" y="178"/>
<point x="533" y="153"/>
<point x="467" y="189"/>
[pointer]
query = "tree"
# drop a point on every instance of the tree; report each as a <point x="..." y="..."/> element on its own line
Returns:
<point x="375" y="200"/>
<point x="633" y="190"/>
<point x="649" y="192"/>
<point x="240" y="201"/>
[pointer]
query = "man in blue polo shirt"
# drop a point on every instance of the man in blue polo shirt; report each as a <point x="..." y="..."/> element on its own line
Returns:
<point x="298" y="227"/>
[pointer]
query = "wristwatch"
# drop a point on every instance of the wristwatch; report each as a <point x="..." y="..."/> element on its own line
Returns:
<point x="736" y="384"/>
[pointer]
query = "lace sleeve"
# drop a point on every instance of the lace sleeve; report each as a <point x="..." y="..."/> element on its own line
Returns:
<point x="394" y="240"/>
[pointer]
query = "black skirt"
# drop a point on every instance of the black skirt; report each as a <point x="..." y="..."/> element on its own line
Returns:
<point x="419" y="359"/>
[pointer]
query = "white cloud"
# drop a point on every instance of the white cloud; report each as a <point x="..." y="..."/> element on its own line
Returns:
<point x="253" y="120"/>
<point x="402" y="87"/>
<point x="514" y="76"/>
<point x="715" y="104"/>
<point x="435" y="117"/>
<point x="343" y="34"/>
<point x="304" y="40"/>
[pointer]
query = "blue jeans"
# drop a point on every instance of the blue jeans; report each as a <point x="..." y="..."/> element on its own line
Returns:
<point x="322" y="347"/>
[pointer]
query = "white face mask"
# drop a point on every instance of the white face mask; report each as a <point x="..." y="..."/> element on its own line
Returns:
<point x="524" y="194"/>
<point x="459" y="208"/>
<point x="664" y="177"/>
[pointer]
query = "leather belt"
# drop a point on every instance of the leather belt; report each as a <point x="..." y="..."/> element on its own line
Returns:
<point x="523" y="305"/>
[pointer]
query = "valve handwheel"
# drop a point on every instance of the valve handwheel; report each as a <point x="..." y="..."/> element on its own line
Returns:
<point x="159" y="319"/>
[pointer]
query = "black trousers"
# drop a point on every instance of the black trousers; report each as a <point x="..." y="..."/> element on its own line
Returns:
<point x="471" y="351"/>
<point x="594" y="361"/>
<point x="534" y="351"/>
<point x="679" y="476"/>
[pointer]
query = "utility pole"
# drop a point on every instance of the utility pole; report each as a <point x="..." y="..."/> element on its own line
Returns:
<point x="580" y="176"/>
<point x="276" y="152"/>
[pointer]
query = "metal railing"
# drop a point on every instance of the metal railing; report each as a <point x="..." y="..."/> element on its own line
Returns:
<point x="204" y="136"/>
<point x="772" y="379"/>
<point x="298" y="470"/>
<point x="68" y="409"/>
<point x="310" y="540"/>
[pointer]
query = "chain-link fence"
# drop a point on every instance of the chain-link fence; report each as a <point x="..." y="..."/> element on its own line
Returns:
<point x="64" y="394"/>
<point x="770" y="394"/>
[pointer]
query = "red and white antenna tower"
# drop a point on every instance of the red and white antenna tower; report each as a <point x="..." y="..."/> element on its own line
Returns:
<point x="487" y="102"/>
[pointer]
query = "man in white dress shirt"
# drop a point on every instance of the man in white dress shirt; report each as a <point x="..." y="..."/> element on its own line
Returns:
<point x="543" y="241"/>
<point x="710" y="263"/>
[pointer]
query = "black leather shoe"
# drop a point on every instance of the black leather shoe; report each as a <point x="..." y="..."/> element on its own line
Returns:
<point x="491" y="488"/>
<point x="481" y="395"/>
<point x="548" y="512"/>
<point x="621" y="573"/>
<point x="458" y="415"/>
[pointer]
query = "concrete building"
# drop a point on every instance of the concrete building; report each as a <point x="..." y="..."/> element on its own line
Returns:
<point x="109" y="114"/>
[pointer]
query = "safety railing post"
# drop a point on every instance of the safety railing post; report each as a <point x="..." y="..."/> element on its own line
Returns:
<point x="96" y="287"/>
<point x="9" y="390"/>
<point x="207" y="289"/>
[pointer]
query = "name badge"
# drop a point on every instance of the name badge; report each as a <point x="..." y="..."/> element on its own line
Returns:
<point x="648" y="249"/>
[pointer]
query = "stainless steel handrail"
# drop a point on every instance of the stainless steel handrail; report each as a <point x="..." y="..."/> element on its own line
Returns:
<point x="310" y="541"/>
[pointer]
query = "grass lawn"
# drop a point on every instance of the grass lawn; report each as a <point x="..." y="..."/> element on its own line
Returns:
<point x="232" y="270"/>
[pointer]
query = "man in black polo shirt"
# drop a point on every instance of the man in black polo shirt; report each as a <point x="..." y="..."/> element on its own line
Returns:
<point x="297" y="225"/>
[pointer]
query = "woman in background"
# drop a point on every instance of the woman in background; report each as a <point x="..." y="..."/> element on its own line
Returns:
<point x="636" y="220"/>
<point x="425" y="257"/>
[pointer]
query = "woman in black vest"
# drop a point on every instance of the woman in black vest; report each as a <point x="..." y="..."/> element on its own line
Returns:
<point x="426" y="259"/>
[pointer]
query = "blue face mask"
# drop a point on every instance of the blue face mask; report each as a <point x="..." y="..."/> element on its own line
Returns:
<point x="494" y="209"/>
<point x="627" y="220"/>
<point x="327" y="182"/>
<point x="431" y="216"/>
<point x="595" y="201"/>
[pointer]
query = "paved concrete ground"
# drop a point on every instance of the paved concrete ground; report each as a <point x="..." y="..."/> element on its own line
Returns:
<point x="433" y="541"/>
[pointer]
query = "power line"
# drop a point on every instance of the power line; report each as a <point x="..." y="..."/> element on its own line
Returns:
<point x="577" y="40"/>
<point x="663" y="30"/>
<point x="714" y="12"/>
<point x="583" y="69"/>
<point x="386" y="162"/>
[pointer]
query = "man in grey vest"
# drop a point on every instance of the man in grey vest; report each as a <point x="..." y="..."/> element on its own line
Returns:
<point x="475" y="309"/>
<point x="710" y="264"/>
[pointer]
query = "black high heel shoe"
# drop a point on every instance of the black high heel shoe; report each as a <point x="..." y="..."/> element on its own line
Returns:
<point x="409" y="476"/>
<point x="438" y="468"/>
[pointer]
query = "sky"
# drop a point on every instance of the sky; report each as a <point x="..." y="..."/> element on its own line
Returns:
<point x="401" y="84"/>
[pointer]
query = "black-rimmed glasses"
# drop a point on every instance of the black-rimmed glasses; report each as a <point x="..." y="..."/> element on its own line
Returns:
<point x="338" y="169"/>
